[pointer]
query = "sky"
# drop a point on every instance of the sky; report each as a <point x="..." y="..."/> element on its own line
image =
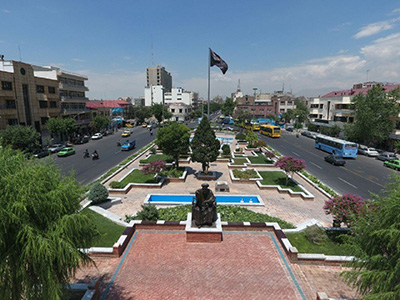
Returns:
<point x="310" y="47"/>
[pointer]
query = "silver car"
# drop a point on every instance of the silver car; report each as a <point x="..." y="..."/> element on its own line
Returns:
<point x="387" y="156"/>
<point x="56" y="147"/>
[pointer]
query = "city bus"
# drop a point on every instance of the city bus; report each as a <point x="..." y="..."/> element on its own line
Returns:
<point x="248" y="126"/>
<point x="336" y="146"/>
<point x="271" y="130"/>
<point x="255" y="127"/>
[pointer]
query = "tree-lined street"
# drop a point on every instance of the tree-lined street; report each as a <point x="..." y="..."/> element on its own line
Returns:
<point x="359" y="176"/>
<point x="87" y="170"/>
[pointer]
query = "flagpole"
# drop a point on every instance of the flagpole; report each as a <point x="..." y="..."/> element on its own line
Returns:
<point x="209" y="63"/>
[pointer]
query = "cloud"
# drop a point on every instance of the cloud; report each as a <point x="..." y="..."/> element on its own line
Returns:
<point x="127" y="58"/>
<point x="113" y="84"/>
<point x="383" y="49"/>
<point x="342" y="51"/>
<point x="375" y="28"/>
<point x="340" y="26"/>
<point x="395" y="11"/>
<point x="77" y="60"/>
<point x="5" y="11"/>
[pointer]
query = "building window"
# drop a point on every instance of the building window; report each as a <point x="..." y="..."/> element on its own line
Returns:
<point x="43" y="120"/>
<point x="43" y="104"/>
<point x="12" y="122"/>
<point x="10" y="104"/>
<point x="321" y="106"/>
<point x="314" y="105"/>
<point x="282" y="102"/>
<point x="180" y="110"/>
<point x="289" y="102"/>
<point x="53" y="104"/>
<point x="282" y="110"/>
<point x="52" y="90"/>
<point x="6" y="85"/>
<point x="172" y="110"/>
<point x="40" y="89"/>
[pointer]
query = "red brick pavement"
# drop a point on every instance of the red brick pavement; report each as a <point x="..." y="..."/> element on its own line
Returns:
<point x="161" y="265"/>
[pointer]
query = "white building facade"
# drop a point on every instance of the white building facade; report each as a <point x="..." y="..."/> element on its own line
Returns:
<point x="180" y="111"/>
<point x="179" y="95"/>
<point x="153" y="95"/>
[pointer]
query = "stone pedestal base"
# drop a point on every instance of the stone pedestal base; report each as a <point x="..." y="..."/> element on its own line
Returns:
<point x="205" y="234"/>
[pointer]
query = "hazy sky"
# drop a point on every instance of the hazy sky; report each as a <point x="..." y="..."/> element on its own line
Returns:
<point x="311" y="46"/>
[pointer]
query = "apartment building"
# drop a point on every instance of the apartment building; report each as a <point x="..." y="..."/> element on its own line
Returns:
<point x="25" y="98"/>
<point x="159" y="76"/>
<point x="180" y="111"/>
<point x="72" y="91"/>
<point x="179" y="95"/>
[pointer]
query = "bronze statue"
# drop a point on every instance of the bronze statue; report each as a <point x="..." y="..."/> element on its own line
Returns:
<point x="204" y="210"/>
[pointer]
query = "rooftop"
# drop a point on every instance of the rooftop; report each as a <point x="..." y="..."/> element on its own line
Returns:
<point x="106" y="103"/>
<point x="353" y="92"/>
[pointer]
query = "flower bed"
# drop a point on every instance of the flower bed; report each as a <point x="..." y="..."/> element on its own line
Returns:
<point x="175" y="174"/>
<point x="260" y="159"/>
<point x="244" y="175"/>
<point x="277" y="180"/>
<point x="135" y="178"/>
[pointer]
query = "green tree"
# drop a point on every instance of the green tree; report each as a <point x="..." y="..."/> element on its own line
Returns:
<point x="61" y="127"/>
<point x="243" y="116"/>
<point x="98" y="193"/>
<point x="205" y="145"/>
<point x="41" y="231"/>
<point x="228" y="107"/>
<point x="173" y="140"/>
<point x="100" y="122"/>
<point x="252" y="138"/>
<point x="157" y="110"/>
<point x="142" y="112"/>
<point x="301" y="111"/>
<point x="19" y="137"/>
<point x="376" y="244"/>
<point x="373" y="113"/>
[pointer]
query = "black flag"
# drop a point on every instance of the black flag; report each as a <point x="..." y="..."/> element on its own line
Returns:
<point x="218" y="61"/>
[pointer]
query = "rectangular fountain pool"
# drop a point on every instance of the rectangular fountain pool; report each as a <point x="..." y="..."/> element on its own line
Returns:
<point x="174" y="199"/>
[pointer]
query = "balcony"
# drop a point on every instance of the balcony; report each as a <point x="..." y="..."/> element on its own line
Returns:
<point x="74" y="110"/>
<point x="73" y="87"/>
<point x="8" y="109"/>
<point x="343" y="112"/>
<point x="73" y="99"/>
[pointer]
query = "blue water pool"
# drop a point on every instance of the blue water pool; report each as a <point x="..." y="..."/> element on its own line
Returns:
<point x="221" y="199"/>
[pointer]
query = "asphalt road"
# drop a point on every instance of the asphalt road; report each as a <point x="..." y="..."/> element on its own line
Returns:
<point x="87" y="170"/>
<point x="359" y="176"/>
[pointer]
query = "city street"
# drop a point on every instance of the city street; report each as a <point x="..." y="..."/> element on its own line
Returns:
<point x="359" y="176"/>
<point x="86" y="170"/>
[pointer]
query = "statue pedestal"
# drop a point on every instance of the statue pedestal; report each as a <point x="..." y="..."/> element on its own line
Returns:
<point x="204" y="234"/>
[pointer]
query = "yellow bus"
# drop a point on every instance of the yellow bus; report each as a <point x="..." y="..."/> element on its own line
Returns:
<point x="248" y="126"/>
<point x="256" y="127"/>
<point x="271" y="130"/>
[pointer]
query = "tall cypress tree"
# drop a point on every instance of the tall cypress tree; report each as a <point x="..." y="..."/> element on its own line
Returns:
<point x="205" y="145"/>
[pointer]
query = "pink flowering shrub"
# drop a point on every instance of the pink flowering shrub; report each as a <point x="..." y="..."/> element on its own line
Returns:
<point x="154" y="167"/>
<point x="290" y="165"/>
<point x="345" y="208"/>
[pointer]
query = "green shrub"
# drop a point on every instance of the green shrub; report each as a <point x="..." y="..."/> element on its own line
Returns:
<point x="240" y="137"/>
<point x="226" y="150"/>
<point x="315" y="234"/>
<point x="148" y="213"/>
<point x="98" y="193"/>
<point x="153" y="150"/>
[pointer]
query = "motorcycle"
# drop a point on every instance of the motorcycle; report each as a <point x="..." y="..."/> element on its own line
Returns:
<point x="95" y="156"/>
<point x="119" y="144"/>
<point x="86" y="155"/>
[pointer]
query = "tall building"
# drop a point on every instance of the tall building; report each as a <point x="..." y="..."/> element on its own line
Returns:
<point x="72" y="91"/>
<point x="159" y="76"/>
<point x="179" y="95"/>
<point x="26" y="99"/>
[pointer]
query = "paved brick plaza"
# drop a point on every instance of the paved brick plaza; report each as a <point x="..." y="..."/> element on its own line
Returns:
<point x="161" y="265"/>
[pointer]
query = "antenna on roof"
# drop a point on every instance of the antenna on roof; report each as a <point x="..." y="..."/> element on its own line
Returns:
<point x="19" y="50"/>
<point x="238" y="86"/>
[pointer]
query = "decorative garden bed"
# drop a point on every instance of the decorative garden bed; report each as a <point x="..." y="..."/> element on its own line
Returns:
<point x="277" y="180"/>
<point x="238" y="162"/>
<point x="178" y="175"/>
<point x="244" y="175"/>
<point x="153" y="157"/>
<point x="135" y="178"/>
<point x="260" y="160"/>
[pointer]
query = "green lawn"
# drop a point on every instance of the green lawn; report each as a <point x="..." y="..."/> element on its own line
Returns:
<point x="136" y="176"/>
<point x="155" y="157"/>
<point x="239" y="161"/>
<point x="229" y="213"/>
<point x="329" y="247"/>
<point x="109" y="231"/>
<point x="260" y="159"/>
<point x="278" y="178"/>
<point x="247" y="174"/>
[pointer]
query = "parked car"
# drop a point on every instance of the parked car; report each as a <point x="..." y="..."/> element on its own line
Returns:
<point x="144" y="125"/>
<point x="128" y="145"/>
<point x="97" y="136"/>
<point x="387" y="156"/>
<point x="39" y="153"/>
<point x="394" y="164"/>
<point x="309" y="134"/>
<point x="290" y="129"/>
<point x="126" y="133"/>
<point x="56" y="147"/>
<point x="368" y="151"/>
<point x="67" y="151"/>
<point x="80" y="140"/>
<point x="335" y="160"/>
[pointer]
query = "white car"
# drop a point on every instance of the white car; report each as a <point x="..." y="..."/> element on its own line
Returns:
<point x="369" y="151"/>
<point x="97" y="136"/>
